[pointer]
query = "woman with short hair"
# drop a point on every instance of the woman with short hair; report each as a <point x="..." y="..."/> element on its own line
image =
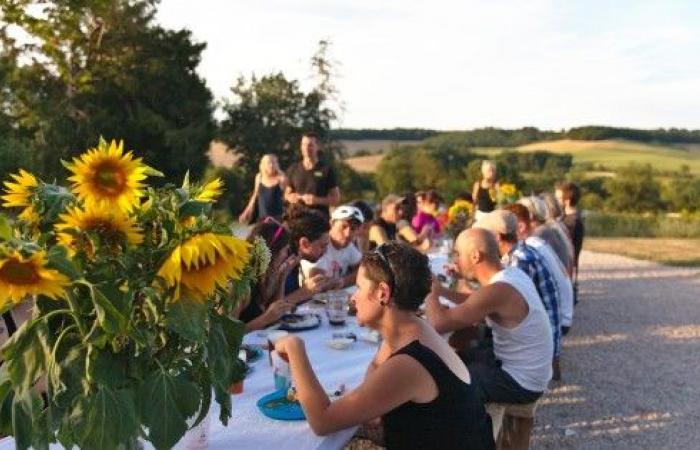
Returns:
<point x="416" y="383"/>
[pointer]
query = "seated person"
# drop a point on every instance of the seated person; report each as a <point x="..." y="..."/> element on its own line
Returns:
<point x="561" y="278"/>
<point x="416" y="383"/>
<point x="362" y="236"/>
<point x="308" y="239"/>
<point x="267" y="301"/>
<point x="519" y="367"/>
<point x="392" y="224"/>
<point x="426" y="216"/>
<point x="516" y="252"/>
<point x="341" y="259"/>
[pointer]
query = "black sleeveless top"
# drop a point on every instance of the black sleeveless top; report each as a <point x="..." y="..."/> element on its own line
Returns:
<point x="270" y="201"/>
<point x="456" y="419"/>
<point x="484" y="202"/>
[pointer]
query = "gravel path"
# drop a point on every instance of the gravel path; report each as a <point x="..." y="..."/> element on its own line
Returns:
<point x="631" y="364"/>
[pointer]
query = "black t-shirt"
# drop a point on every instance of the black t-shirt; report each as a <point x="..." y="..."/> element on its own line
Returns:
<point x="575" y="227"/>
<point x="318" y="181"/>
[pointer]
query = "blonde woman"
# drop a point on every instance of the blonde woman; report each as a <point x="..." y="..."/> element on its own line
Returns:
<point x="268" y="191"/>
<point x="484" y="191"/>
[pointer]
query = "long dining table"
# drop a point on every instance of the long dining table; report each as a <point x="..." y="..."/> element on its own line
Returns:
<point x="248" y="428"/>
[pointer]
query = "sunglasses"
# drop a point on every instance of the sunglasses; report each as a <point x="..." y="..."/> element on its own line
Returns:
<point x="379" y="251"/>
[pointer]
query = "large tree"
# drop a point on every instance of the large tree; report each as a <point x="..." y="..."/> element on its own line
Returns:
<point x="92" y="68"/>
<point x="268" y="114"/>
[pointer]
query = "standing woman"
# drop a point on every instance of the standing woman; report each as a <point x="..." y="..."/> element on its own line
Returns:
<point x="484" y="191"/>
<point x="268" y="192"/>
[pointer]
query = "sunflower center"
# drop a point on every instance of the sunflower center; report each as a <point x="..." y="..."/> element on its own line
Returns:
<point x="17" y="272"/>
<point x="110" y="179"/>
<point x="105" y="228"/>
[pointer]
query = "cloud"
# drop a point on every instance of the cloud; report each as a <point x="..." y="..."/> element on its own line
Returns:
<point x="459" y="64"/>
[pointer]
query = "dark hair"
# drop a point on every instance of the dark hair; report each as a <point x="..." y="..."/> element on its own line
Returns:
<point x="275" y="235"/>
<point x="571" y="192"/>
<point x="310" y="134"/>
<point x="365" y="209"/>
<point x="408" y="206"/>
<point x="304" y="222"/>
<point x="432" y="197"/>
<point x="405" y="269"/>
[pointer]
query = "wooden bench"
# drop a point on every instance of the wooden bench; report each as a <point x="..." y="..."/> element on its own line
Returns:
<point x="512" y="424"/>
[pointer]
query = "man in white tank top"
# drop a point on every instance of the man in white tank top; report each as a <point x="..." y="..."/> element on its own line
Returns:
<point x="519" y="368"/>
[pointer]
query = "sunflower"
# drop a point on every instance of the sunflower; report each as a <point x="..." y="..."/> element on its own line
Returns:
<point x="112" y="226"/>
<point x="203" y="262"/>
<point x="20" y="276"/>
<point x="210" y="191"/>
<point x="105" y="176"/>
<point x="20" y="192"/>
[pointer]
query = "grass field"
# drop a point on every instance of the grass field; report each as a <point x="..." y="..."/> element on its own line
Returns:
<point x="372" y="145"/>
<point x="675" y="252"/>
<point x="610" y="153"/>
<point x="617" y="153"/>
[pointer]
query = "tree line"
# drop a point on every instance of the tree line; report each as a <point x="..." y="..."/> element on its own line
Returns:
<point x="500" y="137"/>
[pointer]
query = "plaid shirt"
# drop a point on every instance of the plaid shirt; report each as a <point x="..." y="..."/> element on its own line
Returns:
<point x="529" y="261"/>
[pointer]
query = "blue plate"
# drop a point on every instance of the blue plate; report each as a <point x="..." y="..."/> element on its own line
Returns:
<point x="276" y="406"/>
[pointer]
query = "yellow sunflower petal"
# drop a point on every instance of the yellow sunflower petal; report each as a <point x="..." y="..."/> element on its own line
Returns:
<point x="20" y="277"/>
<point x="105" y="177"/>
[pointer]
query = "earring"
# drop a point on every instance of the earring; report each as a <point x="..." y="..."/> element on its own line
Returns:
<point x="382" y="303"/>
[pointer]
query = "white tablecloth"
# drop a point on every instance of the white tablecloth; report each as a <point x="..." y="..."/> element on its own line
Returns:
<point x="250" y="429"/>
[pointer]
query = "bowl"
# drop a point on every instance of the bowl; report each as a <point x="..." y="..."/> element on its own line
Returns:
<point x="339" y="343"/>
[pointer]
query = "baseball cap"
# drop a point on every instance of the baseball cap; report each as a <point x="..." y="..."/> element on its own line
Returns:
<point x="499" y="221"/>
<point x="347" y="212"/>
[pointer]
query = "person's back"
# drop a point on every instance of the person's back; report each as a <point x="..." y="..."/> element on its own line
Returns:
<point x="558" y="239"/>
<point x="561" y="278"/>
<point x="525" y="350"/>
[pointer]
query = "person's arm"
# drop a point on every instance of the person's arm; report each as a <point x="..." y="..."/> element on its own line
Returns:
<point x="290" y="193"/>
<point x="463" y="315"/>
<point x="271" y="315"/>
<point x="378" y="235"/>
<point x="332" y="199"/>
<point x="456" y="297"/>
<point x="247" y="213"/>
<point x="419" y="241"/>
<point x="475" y="195"/>
<point x="392" y="384"/>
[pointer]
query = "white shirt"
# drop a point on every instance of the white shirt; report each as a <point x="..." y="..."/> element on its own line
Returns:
<point x="335" y="262"/>
<point x="525" y="350"/>
<point x="561" y="278"/>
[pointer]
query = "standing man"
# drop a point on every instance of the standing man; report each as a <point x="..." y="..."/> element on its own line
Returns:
<point x="568" y="195"/>
<point x="311" y="182"/>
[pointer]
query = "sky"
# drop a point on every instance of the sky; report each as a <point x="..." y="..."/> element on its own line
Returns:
<point x="464" y="64"/>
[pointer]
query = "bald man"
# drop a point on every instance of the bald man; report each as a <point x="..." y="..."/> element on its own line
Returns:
<point x="519" y="368"/>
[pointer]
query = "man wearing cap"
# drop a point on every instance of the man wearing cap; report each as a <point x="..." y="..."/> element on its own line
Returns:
<point x="342" y="258"/>
<point x="516" y="253"/>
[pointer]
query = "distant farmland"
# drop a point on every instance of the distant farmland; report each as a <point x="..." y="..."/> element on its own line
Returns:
<point x="372" y="146"/>
<point x="610" y="154"/>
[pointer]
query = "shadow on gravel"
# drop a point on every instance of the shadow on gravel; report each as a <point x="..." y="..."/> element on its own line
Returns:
<point x="630" y="364"/>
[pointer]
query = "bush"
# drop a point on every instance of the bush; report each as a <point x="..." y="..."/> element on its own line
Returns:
<point x="637" y="225"/>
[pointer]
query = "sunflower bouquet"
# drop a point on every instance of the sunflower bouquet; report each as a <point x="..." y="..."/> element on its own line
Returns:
<point x="458" y="217"/>
<point x="507" y="193"/>
<point x="132" y="288"/>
